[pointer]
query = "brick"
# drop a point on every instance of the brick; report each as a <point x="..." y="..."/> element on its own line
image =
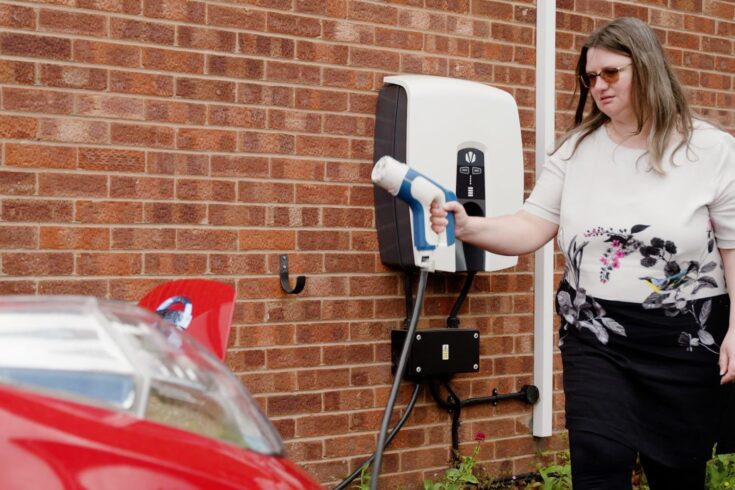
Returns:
<point x="422" y="20"/>
<point x="322" y="194"/>
<point x="712" y="44"/>
<point x="316" y="240"/>
<point x="239" y="18"/>
<point x="141" y="188"/>
<point x="182" y="10"/>
<point x="344" y="263"/>
<point x="36" y="210"/>
<point x="293" y="25"/>
<point x="321" y="425"/>
<point x="16" y="72"/>
<point x="715" y="81"/>
<point x="322" y="53"/>
<point x="347" y="172"/>
<point x="686" y="5"/>
<point x="294" y="121"/>
<point x="322" y="146"/>
<point x="18" y="237"/>
<point x="72" y="185"/>
<point x="108" y="264"/>
<point x="265" y="192"/>
<point x="26" y="100"/>
<point x="683" y="40"/>
<point x="72" y="23"/>
<point x="107" y="159"/>
<point x="447" y="45"/>
<point x="73" y="77"/>
<point x="348" y="218"/>
<point x="18" y="127"/>
<point x="328" y="8"/>
<point x="206" y="239"/>
<point x="265" y="45"/>
<point x="35" y="46"/>
<point x="294" y="357"/>
<point x="398" y="39"/>
<point x="143" y="238"/>
<point x="108" y="212"/>
<point x="175" y="264"/>
<point x="235" y="67"/>
<point x="140" y="135"/>
<point x="40" y="156"/>
<point x="99" y="53"/>
<point x="270" y="95"/>
<point x="175" y="213"/>
<point x="267" y="240"/>
<point x="297" y="169"/>
<point x="17" y="287"/>
<point x="252" y="142"/>
<point x="201" y="89"/>
<point x="206" y="139"/>
<point x="359" y="80"/>
<point x="110" y="106"/>
<point x="239" y="166"/>
<point x="17" y="17"/>
<point x="146" y="32"/>
<point x="374" y="58"/>
<point x="38" y="264"/>
<point x="75" y="287"/>
<point x="364" y="240"/>
<point x="255" y="288"/>
<point x="175" y="112"/>
<point x="121" y="6"/>
<point x="205" y="190"/>
<point x="235" y="215"/>
<point x="424" y="65"/>
<point x="203" y="38"/>
<point x="238" y="264"/>
<point x="294" y="216"/>
<point x="317" y="334"/>
<point x="336" y="124"/>
<point x="177" y="163"/>
<point x="277" y="71"/>
<point x="325" y="100"/>
<point x="73" y="131"/>
<point x="127" y="289"/>
<point x="346" y="31"/>
<point x="172" y="60"/>
<point x="719" y="8"/>
<point x="141" y="83"/>
<point x="236" y="116"/>
<point x="71" y="238"/>
<point x="377" y="14"/>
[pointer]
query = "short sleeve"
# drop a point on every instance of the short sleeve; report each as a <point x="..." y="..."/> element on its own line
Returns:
<point x="545" y="199"/>
<point x="722" y="207"/>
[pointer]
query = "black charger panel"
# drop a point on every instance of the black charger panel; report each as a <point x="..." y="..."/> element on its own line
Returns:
<point x="438" y="351"/>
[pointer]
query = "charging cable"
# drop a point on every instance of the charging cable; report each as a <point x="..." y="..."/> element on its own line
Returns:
<point x="423" y="278"/>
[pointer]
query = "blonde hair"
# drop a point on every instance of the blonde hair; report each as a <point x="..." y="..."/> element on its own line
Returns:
<point x="658" y="97"/>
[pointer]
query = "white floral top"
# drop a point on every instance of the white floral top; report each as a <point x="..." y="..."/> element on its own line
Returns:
<point x="642" y="232"/>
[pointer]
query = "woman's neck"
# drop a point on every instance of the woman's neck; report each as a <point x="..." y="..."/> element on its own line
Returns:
<point x="626" y="133"/>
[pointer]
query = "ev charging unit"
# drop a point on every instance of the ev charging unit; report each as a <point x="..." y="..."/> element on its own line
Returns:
<point x="464" y="135"/>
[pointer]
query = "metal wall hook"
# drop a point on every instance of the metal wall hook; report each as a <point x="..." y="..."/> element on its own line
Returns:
<point x="283" y="274"/>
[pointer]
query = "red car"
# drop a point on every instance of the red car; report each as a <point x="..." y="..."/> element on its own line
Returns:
<point x="104" y="395"/>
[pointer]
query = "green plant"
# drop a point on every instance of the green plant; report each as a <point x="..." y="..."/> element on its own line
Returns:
<point x="720" y="471"/>
<point x="556" y="476"/>
<point x="461" y="474"/>
<point x="364" y="483"/>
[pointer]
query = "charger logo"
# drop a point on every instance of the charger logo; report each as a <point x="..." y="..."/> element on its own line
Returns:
<point x="470" y="157"/>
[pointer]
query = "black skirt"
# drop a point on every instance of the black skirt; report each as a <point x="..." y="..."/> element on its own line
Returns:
<point x="647" y="378"/>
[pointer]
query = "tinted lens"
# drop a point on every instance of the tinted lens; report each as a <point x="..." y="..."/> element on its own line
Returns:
<point x="610" y="75"/>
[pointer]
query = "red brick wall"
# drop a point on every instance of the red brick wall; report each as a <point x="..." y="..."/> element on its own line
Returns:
<point x="146" y="140"/>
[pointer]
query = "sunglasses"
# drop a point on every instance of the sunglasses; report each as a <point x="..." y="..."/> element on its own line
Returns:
<point x="610" y="75"/>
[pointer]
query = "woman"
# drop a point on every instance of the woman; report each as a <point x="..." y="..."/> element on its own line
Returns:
<point x="641" y="197"/>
